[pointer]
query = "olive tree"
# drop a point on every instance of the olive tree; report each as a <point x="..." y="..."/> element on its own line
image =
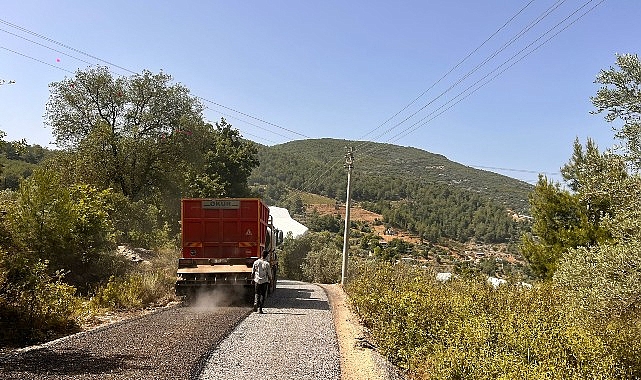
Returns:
<point x="128" y="132"/>
<point x="620" y="98"/>
<point x="144" y="137"/>
<point x="606" y="277"/>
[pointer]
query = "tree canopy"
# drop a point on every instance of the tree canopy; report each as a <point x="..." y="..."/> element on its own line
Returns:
<point x="620" y="98"/>
<point x="144" y="136"/>
<point x="587" y="237"/>
<point x="125" y="132"/>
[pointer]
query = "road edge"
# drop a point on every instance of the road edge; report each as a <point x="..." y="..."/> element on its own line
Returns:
<point x="359" y="358"/>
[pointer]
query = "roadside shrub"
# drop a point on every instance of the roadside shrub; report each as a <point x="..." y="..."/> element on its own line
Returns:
<point x="466" y="329"/>
<point x="134" y="291"/>
<point x="139" y="224"/>
<point x="311" y="257"/>
<point x="34" y="306"/>
<point x="293" y="252"/>
<point x="66" y="226"/>
<point x="151" y="284"/>
<point x="605" y="280"/>
<point x="323" y="266"/>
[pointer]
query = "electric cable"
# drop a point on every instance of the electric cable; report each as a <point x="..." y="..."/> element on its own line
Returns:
<point x="470" y="89"/>
<point x="45" y="46"/>
<point x="451" y="70"/>
<point x="35" y="59"/>
<point x="25" y="30"/>
<point x="48" y="39"/>
<point x="523" y="31"/>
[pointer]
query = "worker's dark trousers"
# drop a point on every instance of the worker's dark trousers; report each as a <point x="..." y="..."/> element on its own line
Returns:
<point x="260" y="291"/>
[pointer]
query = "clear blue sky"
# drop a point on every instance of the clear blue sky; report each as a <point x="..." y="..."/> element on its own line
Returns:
<point x="340" y="69"/>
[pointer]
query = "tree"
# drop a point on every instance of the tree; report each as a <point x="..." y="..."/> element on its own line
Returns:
<point x="565" y="220"/>
<point x="67" y="227"/>
<point x="126" y="133"/>
<point x="559" y="224"/>
<point x="144" y="137"/>
<point x="594" y="251"/>
<point x="228" y="162"/>
<point x="323" y="265"/>
<point x="606" y="278"/>
<point x="620" y="98"/>
<point x="294" y="251"/>
<point x="328" y="222"/>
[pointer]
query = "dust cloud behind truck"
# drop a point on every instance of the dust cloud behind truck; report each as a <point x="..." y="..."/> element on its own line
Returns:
<point x="221" y="239"/>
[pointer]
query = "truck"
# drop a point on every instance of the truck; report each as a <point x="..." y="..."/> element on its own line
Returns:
<point x="221" y="239"/>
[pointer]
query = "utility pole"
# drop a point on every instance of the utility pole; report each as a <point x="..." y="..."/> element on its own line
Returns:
<point x="349" y="164"/>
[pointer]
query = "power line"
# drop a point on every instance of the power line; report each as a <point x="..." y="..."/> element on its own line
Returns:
<point x="44" y="46"/>
<point x="476" y="86"/>
<point x="36" y="59"/>
<point x="247" y="122"/>
<point x="464" y="96"/>
<point x="48" y="39"/>
<point x="452" y="69"/>
<point x="542" y="16"/>
<point x="515" y="170"/>
<point x="25" y="30"/>
<point x="253" y="117"/>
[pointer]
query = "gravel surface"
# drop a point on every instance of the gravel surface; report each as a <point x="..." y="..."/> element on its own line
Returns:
<point x="169" y="344"/>
<point x="294" y="339"/>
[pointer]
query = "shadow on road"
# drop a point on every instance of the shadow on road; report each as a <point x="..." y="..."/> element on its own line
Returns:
<point x="48" y="362"/>
<point x="291" y="294"/>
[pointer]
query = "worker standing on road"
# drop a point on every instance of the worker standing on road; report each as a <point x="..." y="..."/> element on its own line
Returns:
<point x="262" y="275"/>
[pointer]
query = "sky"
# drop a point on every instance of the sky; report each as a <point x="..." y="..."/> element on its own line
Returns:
<point x="501" y="85"/>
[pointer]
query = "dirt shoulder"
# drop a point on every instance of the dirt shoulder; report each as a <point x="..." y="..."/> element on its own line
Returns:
<point x="359" y="358"/>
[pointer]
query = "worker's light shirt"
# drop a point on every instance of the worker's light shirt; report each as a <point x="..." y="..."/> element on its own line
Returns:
<point x="261" y="271"/>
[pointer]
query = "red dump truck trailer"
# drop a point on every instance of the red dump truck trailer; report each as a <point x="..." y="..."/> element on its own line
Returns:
<point x="221" y="239"/>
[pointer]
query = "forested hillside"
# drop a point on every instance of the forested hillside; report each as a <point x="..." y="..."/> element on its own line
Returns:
<point x="421" y="192"/>
<point x="18" y="160"/>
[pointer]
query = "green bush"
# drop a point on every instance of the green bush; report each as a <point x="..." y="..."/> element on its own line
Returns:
<point x="605" y="280"/>
<point x="311" y="257"/>
<point x="139" y="224"/>
<point x="151" y="284"/>
<point x="66" y="225"/>
<point x="293" y="252"/>
<point x="323" y="266"/>
<point x="34" y="306"/>
<point x="134" y="291"/>
<point x="465" y="329"/>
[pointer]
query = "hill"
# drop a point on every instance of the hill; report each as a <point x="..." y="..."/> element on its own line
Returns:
<point x="18" y="160"/>
<point x="415" y="190"/>
<point x="316" y="166"/>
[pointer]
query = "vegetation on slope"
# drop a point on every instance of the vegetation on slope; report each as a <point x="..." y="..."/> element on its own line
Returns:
<point x="466" y="329"/>
<point x="582" y="320"/>
<point x="414" y="190"/>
